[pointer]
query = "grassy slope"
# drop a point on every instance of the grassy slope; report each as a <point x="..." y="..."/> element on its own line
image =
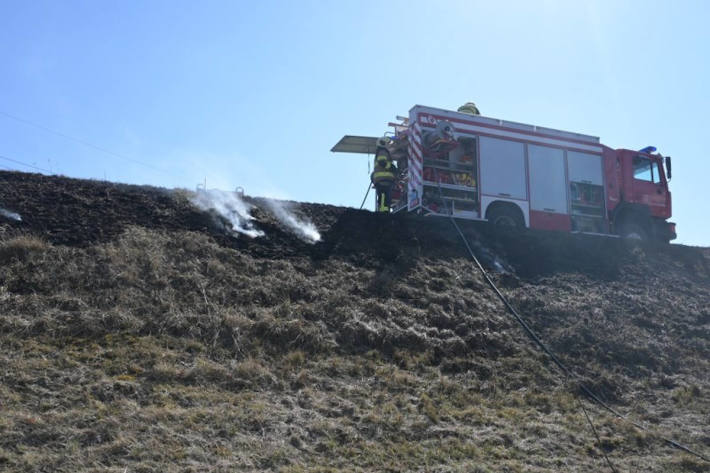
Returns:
<point x="153" y="344"/>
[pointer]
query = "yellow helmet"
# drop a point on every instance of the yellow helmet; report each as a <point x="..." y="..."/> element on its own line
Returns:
<point x="470" y="108"/>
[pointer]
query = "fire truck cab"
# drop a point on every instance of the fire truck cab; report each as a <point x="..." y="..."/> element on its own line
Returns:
<point x="518" y="175"/>
<point x="638" y="195"/>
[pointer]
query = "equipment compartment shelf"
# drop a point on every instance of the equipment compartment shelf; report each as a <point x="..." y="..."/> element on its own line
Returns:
<point x="450" y="186"/>
<point x="436" y="161"/>
<point x="442" y="162"/>
<point x="460" y="168"/>
<point x="459" y="199"/>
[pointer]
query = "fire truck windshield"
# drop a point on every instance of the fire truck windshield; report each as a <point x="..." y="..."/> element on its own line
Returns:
<point x="646" y="169"/>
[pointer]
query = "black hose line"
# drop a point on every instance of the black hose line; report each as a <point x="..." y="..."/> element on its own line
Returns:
<point x="587" y="391"/>
<point x="369" y="186"/>
<point x="596" y="435"/>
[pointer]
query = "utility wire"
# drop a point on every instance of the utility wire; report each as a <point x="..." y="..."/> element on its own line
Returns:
<point x="80" y="141"/>
<point x="24" y="164"/>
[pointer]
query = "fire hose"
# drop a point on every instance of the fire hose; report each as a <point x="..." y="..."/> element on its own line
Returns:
<point x="569" y="373"/>
<point x="369" y="186"/>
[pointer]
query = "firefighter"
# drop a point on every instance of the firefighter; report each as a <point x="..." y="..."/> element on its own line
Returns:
<point x="470" y="108"/>
<point x="384" y="176"/>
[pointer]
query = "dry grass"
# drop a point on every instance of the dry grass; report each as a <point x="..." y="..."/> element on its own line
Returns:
<point x="19" y="248"/>
<point x="165" y="351"/>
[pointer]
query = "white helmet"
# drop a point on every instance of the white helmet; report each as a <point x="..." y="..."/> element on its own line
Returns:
<point x="383" y="142"/>
<point x="445" y="129"/>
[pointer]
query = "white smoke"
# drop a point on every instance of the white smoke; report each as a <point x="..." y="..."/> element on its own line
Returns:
<point x="10" y="215"/>
<point x="304" y="228"/>
<point x="489" y="258"/>
<point x="237" y="214"/>
<point x="230" y="207"/>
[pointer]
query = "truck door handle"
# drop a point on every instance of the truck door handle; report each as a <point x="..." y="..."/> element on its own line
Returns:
<point x="504" y="195"/>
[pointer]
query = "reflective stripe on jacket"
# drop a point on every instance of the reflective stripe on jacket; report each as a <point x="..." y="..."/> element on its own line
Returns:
<point x="382" y="176"/>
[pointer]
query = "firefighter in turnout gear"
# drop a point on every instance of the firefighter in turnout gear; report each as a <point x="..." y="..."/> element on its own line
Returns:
<point x="470" y="108"/>
<point x="384" y="176"/>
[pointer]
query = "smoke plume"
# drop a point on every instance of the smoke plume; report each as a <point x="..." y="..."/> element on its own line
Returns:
<point x="302" y="227"/>
<point x="233" y="210"/>
<point x="10" y="215"/>
<point x="489" y="258"/>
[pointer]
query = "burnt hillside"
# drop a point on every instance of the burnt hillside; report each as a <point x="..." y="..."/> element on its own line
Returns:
<point x="136" y="335"/>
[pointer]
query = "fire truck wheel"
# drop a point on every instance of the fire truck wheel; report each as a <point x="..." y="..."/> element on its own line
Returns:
<point x="633" y="231"/>
<point x="505" y="218"/>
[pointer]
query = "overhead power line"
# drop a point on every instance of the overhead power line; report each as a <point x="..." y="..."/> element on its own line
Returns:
<point x="22" y="163"/>
<point x="81" y="141"/>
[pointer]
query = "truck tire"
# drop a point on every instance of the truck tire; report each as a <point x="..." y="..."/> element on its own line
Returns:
<point x="661" y="231"/>
<point x="505" y="217"/>
<point x="633" y="231"/>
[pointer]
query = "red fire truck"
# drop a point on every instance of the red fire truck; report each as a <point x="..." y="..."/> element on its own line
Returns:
<point x="519" y="175"/>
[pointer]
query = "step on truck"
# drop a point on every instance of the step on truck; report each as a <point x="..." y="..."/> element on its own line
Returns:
<point x="518" y="175"/>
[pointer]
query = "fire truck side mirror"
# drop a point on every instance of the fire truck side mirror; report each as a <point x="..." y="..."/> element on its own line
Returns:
<point x="668" y="167"/>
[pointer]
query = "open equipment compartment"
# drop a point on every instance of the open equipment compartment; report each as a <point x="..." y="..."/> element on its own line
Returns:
<point x="450" y="178"/>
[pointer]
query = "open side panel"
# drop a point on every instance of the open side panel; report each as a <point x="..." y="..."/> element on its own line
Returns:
<point x="356" y="144"/>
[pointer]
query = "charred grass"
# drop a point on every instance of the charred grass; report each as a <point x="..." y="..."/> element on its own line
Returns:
<point x="168" y="350"/>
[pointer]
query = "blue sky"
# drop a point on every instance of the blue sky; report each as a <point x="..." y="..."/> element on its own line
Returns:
<point x="254" y="94"/>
